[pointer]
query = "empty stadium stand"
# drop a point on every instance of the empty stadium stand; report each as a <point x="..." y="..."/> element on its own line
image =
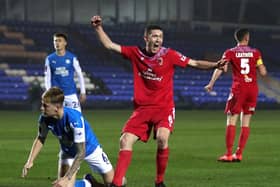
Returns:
<point x="109" y="80"/>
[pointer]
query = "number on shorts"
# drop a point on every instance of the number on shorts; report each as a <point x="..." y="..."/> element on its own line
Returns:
<point x="105" y="158"/>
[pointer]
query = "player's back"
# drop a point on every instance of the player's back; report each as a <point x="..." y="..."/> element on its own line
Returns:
<point x="244" y="62"/>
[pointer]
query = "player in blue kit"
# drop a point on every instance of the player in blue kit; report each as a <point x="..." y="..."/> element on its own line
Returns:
<point x="60" y="67"/>
<point x="77" y="143"/>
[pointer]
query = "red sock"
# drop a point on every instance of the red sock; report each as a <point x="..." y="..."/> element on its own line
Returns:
<point x="122" y="165"/>
<point x="244" y="135"/>
<point x="161" y="161"/>
<point x="230" y="135"/>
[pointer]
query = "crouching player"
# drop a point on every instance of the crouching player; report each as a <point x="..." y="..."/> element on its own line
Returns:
<point x="77" y="143"/>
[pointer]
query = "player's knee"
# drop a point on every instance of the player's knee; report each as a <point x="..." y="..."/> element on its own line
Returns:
<point x="162" y="141"/>
<point x="126" y="142"/>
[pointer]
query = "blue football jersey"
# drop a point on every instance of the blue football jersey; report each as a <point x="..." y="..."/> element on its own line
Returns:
<point x="72" y="128"/>
<point x="62" y="72"/>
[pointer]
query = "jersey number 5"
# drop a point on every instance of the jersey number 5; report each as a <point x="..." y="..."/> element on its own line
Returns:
<point x="245" y="68"/>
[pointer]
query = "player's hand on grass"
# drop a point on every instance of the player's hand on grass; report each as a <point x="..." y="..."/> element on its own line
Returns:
<point x="61" y="182"/>
<point x="96" y="21"/>
<point x="25" y="169"/>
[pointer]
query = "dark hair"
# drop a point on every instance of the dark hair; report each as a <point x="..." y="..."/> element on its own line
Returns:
<point x="240" y="33"/>
<point x="60" y="34"/>
<point x="53" y="95"/>
<point x="149" y="28"/>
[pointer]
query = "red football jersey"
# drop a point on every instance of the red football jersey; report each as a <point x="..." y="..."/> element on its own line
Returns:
<point x="244" y="60"/>
<point x="153" y="75"/>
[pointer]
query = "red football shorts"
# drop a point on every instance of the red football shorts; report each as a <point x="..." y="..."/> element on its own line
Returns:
<point x="242" y="99"/>
<point x="144" y="120"/>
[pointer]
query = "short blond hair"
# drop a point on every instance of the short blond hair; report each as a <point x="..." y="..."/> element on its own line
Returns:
<point x="54" y="95"/>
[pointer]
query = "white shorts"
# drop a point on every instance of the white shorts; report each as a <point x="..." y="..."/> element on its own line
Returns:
<point x="98" y="161"/>
<point x="72" y="101"/>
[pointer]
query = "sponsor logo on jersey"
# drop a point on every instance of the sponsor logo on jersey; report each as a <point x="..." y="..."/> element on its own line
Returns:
<point x="247" y="78"/>
<point x="62" y="71"/>
<point x="150" y="75"/>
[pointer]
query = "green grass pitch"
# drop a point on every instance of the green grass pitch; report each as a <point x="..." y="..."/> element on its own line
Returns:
<point x="196" y="143"/>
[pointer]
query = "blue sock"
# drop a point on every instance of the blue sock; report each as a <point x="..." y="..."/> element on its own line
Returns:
<point x="82" y="183"/>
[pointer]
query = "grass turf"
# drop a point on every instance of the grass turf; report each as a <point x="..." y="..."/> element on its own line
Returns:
<point x="196" y="143"/>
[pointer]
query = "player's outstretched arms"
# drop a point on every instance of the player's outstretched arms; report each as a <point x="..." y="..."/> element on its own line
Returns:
<point x="203" y="64"/>
<point x="36" y="148"/>
<point x="222" y="65"/>
<point x="96" y="22"/>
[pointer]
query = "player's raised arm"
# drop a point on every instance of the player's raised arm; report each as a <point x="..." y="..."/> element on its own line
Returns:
<point x="96" y="22"/>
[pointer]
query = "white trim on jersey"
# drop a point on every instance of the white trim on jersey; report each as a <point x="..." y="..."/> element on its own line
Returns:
<point x="79" y="132"/>
<point x="47" y="77"/>
<point x="80" y="75"/>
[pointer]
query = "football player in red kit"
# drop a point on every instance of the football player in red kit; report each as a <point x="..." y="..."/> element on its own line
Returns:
<point x="242" y="100"/>
<point x="154" y="112"/>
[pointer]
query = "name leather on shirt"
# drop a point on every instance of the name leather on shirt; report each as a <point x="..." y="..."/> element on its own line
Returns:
<point x="242" y="54"/>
